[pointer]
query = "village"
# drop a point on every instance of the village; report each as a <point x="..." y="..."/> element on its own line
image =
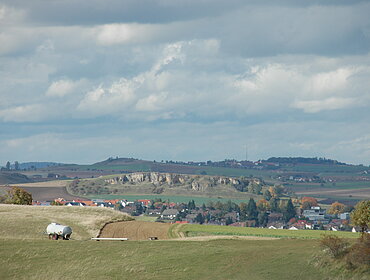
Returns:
<point x="305" y="214"/>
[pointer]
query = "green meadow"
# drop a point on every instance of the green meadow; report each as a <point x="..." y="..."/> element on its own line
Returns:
<point x="218" y="259"/>
<point x="201" y="230"/>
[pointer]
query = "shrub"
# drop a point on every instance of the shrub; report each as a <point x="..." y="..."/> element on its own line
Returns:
<point x="335" y="246"/>
<point x="359" y="253"/>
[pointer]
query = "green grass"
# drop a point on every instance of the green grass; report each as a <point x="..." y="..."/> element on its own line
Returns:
<point x="146" y="218"/>
<point x="196" y="230"/>
<point x="327" y="168"/>
<point x="235" y="172"/>
<point x="177" y="199"/>
<point x="219" y="259"/>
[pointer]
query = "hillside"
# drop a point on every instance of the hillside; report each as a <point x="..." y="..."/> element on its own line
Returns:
<point x="318" y="177"/>
<point x="29" y="222"/>
<point x="168" y="184"/>
<point x="13" y="178"/>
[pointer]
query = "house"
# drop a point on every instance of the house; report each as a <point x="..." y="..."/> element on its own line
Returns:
<point x="344" y="216"/>
<point x="314" y="214"/>
<point x="129" y="210"/>
<point x="190" y="217"/>
<point x="74" y="203"/>
<point x="169" y="214"/>
<point x="144" y="202"/>
<point x="276" y="225"/>
<point x="293" y="228"/>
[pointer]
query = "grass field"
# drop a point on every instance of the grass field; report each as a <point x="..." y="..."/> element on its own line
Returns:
<point x="218" y="259"/>
<point x="29" y="222"/>
<point x="25" y="253"/>
<point x="199" y="230"/>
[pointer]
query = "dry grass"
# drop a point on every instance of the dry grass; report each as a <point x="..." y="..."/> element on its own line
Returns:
<point x="47" y="184"/>
<point x="30" y="222"/>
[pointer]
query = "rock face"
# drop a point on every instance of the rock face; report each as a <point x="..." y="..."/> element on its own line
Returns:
<point x="193" y="182"/>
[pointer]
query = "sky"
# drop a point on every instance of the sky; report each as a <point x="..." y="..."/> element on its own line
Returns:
<point x="186" y="80"/>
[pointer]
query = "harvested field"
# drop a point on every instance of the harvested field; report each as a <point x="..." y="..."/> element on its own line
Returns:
<point x="324" y="192"/>
<point x="47" y="193"/>
<point x="46" y="184"/>
<point x="135" y="230"/>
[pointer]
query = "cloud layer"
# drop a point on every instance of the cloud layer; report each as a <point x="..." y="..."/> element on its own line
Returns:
<point x="174" y="76"/>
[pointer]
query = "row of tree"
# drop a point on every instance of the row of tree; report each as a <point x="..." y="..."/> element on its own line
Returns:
<point x="8" y="166"/>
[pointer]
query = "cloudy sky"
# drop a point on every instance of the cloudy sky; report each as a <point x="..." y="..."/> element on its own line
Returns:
<point x="184" y="80"/>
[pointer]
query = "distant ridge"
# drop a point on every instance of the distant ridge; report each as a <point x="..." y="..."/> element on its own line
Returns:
<point x="13" y="178"/>
<point x="35" y="164"/>
<point x="303" y="160"/>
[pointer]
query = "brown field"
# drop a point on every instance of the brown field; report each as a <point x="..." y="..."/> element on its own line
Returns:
<point x="353" y="193"/>
<point x="44" y="193"/>
<point x="135" y="230"/>
<point x="46" y="184"/>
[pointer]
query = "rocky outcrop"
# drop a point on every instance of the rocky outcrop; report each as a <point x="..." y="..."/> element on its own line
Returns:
<point x="193" y="182"/>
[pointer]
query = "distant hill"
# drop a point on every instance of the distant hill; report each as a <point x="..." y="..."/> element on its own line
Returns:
<point x="303" y="160"/>
<point x="13" y="178"/>
<point x="28" y="165"/>
<point x="120" y="161"/>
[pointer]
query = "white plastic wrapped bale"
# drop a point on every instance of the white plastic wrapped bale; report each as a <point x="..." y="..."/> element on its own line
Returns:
<point x="55" y="231"/>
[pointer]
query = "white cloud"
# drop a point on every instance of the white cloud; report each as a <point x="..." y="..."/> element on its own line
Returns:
<point x="25" y="113"/>
<point x="62" y="88"/>
<point x="332" y="103"/>
<point x="107" y="101"/>
<point x="329" y="82"/>
<point x="112" y="34"/>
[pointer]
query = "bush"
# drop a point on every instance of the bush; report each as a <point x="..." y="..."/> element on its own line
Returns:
<point x="335" y="246"/>
<point x="359" y="253"/>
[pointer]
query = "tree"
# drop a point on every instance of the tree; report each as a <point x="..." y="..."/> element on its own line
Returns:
<point x="289" y="211"/>
<point x="243" y="210"/>
<point x="191" y="205"/>
<point x="19" y="196"/>
<point x="361" y="215"/>
<point x="229" y="221"/>
<point x="262" y="219"/>
<point x="252" y="210"/>
<point x="7" y="165"/>
<point x="336" y="208"/>
<point x="16" y="165"/>
<point x="274" y="206"/>
<point x="267" y="195"/>
<point x="199" y="218"/>
<point x="263" y="205"/>
<point x="308" y="202"/>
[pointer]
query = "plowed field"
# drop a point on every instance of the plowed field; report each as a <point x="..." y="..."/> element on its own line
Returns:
<point x="135" y="230"/>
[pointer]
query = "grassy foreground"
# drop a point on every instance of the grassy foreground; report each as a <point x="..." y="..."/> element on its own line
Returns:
<point x="218" y="259"/>
<point x="198" y="230"/>
<point x="29" y="222"/>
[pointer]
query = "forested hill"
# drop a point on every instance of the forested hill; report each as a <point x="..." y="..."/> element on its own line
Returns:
<point x="303" y="160"/>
